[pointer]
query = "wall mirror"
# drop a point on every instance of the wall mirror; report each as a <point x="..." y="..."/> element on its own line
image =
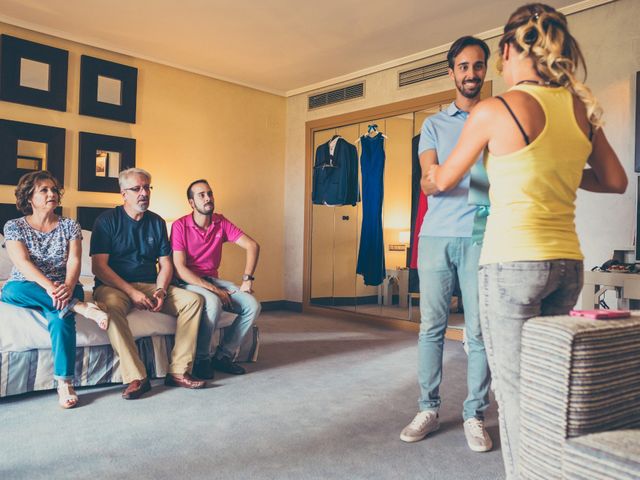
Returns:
<point x="25" y="147"/>
<point x="336" y="247"/>
<point x="31" y="155"/>
<point x="107" y="163"/>
<point x="102" y="158"/>
<point x="33" y="74"/>
<point x="109" y="90"/>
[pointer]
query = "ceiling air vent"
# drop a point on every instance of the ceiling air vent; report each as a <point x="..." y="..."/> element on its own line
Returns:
<point x="424" y="73"/>
<point x="334" y="96"/>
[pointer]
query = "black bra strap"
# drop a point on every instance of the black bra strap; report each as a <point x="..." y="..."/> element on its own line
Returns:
<point x="526" y="137"/>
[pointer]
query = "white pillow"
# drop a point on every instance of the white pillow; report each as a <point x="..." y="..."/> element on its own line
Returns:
<point x="5" y="263"/>
<point x="85" y="265"/>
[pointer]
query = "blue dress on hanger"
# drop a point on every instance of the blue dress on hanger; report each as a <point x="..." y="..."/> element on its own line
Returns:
<point x="371" y="253"/>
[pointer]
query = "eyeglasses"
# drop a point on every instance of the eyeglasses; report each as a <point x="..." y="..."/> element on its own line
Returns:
<point x="137" y="188"/>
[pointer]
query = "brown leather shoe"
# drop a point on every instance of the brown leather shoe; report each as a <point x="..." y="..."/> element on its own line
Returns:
<point x="185" y="381"/>
<point x="136" y="388"/>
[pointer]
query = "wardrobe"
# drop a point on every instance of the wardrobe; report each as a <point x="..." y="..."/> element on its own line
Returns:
<point x="333" y="232"/>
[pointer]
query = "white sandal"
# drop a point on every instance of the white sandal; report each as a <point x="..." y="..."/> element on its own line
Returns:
<point x="67" y="397"/>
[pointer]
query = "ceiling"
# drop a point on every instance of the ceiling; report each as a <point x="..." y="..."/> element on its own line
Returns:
<point x="280" y="46"/>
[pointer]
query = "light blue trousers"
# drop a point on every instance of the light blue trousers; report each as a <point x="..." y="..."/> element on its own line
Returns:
<point x="243" y="304"/>
<point x="440" y="260"/>
<point x="62" y="328"/>
<point x="510" y="294"/>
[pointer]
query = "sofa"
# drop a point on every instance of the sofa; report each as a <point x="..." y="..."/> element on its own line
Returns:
<point x="26" y="362"/>
<point x="580" y="399"/>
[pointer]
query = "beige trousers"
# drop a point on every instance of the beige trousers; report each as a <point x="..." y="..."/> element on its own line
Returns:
<point x="186" y="306"/>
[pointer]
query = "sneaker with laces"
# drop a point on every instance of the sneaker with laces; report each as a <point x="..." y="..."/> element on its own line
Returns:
<point x="477" y="437"/>
<point x="422" y="424"/>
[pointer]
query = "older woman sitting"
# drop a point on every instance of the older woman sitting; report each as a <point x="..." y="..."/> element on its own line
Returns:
<point x="45" y="250"/>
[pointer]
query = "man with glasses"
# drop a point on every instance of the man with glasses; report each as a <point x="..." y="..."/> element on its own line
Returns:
<point x="131" y="260"/>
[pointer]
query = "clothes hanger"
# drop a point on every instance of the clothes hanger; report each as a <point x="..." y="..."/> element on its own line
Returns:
<point x="333" y="140"/>
<point x="372" y="131"/>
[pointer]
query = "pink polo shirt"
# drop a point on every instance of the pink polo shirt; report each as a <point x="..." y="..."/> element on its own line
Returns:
<point x="203" y="248"/>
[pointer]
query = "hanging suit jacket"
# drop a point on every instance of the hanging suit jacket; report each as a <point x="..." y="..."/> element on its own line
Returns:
<point x="335" y="177"/>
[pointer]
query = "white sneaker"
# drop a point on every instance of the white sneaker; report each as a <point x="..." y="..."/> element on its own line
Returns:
<point x="422" y="424"/>
<point x="477" y="437"/>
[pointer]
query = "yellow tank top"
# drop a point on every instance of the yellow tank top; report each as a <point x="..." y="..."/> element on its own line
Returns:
<point x="533" y="190"/>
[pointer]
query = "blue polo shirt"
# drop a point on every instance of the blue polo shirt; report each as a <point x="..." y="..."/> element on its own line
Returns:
<point x="449" y="213"/>
<point x="133" y="246"/>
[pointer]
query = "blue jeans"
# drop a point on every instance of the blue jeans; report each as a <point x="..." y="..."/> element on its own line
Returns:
<point x="440" y="260"/>
<point x="510" y="294"/>
<point x="242" y="303"/>
<point x="61" y="325"/>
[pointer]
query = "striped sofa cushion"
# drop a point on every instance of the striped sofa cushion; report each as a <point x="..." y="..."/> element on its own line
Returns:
<point x="578" y="376"/>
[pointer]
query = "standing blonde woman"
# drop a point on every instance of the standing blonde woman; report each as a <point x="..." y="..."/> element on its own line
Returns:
<point x="545" y="141"/>
<point x="45" y="250"/>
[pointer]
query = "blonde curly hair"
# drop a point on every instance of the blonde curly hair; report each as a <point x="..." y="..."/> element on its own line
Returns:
<point x="541" y="32"/>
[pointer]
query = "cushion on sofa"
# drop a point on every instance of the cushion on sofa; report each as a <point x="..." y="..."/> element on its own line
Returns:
<point x="24" y="329"/>
<point x="5" y="263"/>
<point x="85" y="265"/>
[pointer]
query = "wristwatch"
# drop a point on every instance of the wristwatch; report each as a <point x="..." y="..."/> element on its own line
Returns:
<point x="247" y="277"/>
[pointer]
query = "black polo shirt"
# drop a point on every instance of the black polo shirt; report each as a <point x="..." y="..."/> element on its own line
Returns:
<point x="133" y="246"/>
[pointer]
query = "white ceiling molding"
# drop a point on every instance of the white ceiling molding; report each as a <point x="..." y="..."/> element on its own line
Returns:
<point x="130" y="53"/>
<point x="494" y="32"/>
<point x="255" y="78"/>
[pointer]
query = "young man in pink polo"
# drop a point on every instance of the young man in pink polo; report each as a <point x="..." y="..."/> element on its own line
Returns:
<point x="196" y="240"/>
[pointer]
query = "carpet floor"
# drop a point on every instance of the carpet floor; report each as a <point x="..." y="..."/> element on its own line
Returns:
<point x="326" y="400"/>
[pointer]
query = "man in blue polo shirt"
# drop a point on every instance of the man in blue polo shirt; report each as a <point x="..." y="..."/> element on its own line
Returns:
<point x="131" y="260"/>
<point x="446" y="250"/>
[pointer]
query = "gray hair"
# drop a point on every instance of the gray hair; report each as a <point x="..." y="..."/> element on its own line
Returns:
<point x="130" y="172"/>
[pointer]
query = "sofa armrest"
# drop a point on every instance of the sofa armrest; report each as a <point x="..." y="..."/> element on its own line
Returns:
<point x="578" y="376"/>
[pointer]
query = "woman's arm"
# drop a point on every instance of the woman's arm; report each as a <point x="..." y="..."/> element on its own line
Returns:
<point x="473" y="139"/>
<point x="19" y="255"/>
<point x="606" y="174"/>
<point x="73" y="263"/>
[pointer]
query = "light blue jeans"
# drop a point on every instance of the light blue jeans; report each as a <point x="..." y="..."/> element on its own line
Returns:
<point x="510" y="294"/>
<point x="440" y="260"/>
<point x="61" y="324"/>
<point x="243" y="304"/>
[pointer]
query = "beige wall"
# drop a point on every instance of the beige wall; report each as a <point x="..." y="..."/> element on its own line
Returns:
<point x="188" y="126"/>
<point x="610" y="41"/>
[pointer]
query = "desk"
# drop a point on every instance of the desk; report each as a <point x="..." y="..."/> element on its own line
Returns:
<point x="626" y="286"/>
<point x="385" y="291"/>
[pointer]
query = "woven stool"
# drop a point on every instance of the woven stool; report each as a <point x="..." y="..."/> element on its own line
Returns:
<point x="578" y="376"/>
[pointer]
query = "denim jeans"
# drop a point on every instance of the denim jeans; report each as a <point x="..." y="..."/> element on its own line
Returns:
<point x="440" y="260"/>
<point x="243" y="304"/>
<point x="510" y="294"/>
<point x="62" y="328"/>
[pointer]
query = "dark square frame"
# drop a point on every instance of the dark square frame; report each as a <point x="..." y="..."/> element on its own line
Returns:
<point x="11" y="51"/>
<point x="88" y="144"/>
<point x="90" y="69"/>
<point x="9" y="211"/>
<point x="86" y="216"/>
<point x="11" y="132"/>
